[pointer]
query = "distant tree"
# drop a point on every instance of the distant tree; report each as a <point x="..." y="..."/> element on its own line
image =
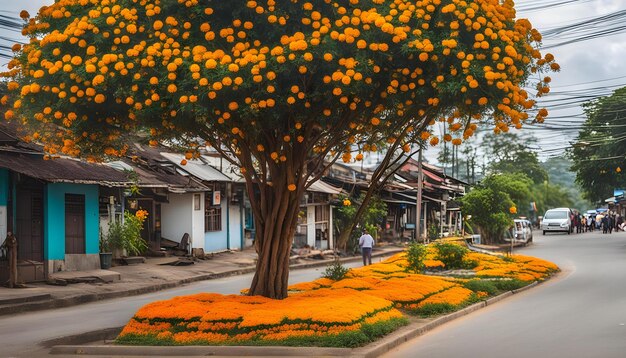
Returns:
<point x="512" y="153"/>
<point x="280" y="89"/>
<point x="489" y="203"/>
<point x="598" y="153"/>
<point x="560" y="174"/>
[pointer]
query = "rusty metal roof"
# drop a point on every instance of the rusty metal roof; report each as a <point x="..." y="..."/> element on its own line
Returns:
<point x="60" y="170"/>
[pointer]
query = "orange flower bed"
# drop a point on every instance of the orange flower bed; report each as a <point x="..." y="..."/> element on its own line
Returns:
<point x="218" y="319"/>
<point x="323" y="308"/>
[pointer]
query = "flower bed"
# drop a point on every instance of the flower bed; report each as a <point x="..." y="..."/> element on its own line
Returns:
<point x="323" y="317"/>
<point x="346" y="313"/>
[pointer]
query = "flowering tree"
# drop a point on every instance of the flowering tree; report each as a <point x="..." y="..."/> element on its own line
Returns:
<point x="280" y="88"/>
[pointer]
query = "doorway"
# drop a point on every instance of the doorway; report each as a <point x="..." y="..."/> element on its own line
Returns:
<point x="74" y="224"/>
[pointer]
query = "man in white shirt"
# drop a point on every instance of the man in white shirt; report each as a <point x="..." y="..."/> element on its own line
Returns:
<point x="366" y="241"/>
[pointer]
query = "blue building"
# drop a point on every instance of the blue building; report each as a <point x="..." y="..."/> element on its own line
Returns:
<point x="52" y="207"/>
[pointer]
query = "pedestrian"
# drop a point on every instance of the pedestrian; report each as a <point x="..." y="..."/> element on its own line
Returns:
<point x="366" y="242"/>
<point x="605" y="223"/>
<point x="579" y="223"/>
<point x="583" y="224"/>
<point x="618" y="222"/>
<point x="611" y="222"/>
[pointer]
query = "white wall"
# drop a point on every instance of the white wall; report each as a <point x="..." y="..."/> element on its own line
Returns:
<point x="177" y="218"/>
<point x="310" y="225"/>
<point x="235" y="226"/>
<point x="198" y="224"/>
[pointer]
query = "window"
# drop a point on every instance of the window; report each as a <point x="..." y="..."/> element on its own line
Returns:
<point x="212" y="215"/>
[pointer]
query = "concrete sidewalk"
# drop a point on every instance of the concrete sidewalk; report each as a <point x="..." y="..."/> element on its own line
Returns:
<point x="143" y="278"/>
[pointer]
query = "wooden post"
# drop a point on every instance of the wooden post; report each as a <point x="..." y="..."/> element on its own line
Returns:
<point x="11" y="243"/>
<point x="418" y="201"/>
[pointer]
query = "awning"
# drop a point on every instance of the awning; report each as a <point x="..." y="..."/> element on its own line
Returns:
<point x="197" y="168"/>
<point x="321" y="187"/>
<point x="610" y="200"/>
<point x="396" y="201"/>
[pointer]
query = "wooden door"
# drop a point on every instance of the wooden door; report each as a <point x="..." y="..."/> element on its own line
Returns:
<point x="74" y="224"/>
<point x="29" y="223"/>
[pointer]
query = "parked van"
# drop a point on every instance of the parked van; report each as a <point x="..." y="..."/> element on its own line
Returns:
<point x="558" y="219"/>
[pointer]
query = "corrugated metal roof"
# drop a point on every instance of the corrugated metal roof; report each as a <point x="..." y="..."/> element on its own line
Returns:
<point x="197" y="167"/>
<point x="61" y="170"/>
<point x="321" y="187"/>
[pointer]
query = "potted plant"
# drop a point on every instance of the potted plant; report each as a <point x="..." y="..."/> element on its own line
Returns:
<point x="125" y="237"/>
<point x="106" y="256"/>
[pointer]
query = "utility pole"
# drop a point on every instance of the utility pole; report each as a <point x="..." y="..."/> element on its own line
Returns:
<point x="418" y="203"/>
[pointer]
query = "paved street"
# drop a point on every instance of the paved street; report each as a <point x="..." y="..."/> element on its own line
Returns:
<point x="581" y="313"/>
<point x="20" y="334"/>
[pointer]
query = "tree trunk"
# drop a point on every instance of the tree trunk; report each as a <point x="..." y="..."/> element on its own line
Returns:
<point x="275" y="229"/>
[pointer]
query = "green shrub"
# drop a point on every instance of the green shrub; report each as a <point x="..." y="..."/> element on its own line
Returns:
<point x="510" y="285"/>
<point x="434" y="309"/>
<point x="415" y="255"/>
<point x="450" y="254"/>
<point x="335" y="271"/>
<point x="482" y="285"/>
<point x="127" y="235"/>
<point x="470" y="264"/>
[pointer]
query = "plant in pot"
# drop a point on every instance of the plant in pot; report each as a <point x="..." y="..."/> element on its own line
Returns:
<point x="125" y="237"/>
<point x="106" y="256"/>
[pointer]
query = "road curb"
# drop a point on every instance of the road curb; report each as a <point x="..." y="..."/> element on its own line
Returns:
<point x="93" y="297"/>
<point x="70" y="345"/>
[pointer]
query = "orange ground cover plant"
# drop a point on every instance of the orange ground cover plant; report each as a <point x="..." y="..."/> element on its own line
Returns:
<point x="323" y="308"/>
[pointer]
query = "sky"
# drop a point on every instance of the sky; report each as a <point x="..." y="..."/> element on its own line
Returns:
<point x="590" y="68"/>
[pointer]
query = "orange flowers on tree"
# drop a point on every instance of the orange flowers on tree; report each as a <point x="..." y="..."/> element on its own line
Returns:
<point x="227" y="75"/>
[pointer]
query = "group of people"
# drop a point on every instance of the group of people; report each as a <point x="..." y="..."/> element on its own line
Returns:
<point x="607" y="222"/>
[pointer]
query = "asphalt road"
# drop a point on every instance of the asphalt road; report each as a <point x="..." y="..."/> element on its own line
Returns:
<point x="580" y="313"/>
<point x="20" y="334"/>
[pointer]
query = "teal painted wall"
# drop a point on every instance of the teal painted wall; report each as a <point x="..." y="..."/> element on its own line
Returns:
<point x="54" y="218"/>
<point x="4" y="186"/>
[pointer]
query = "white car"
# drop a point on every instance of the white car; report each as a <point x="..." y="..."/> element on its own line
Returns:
<point x="557" y="220"/>
<point x="523" y="230"/>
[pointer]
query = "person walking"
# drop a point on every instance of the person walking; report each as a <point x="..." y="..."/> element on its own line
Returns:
<point x="366" y="242"/>
<point x="611" y="221"/>
<point x="618" y="222"/>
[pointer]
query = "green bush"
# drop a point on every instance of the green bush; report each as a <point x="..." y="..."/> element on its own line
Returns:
<point x="450" y="254"/>
<point x="483" y="286"/>
<point x="127" y="235"/>
<point x="415" y="255"/>
<point x="510" y="285"/>
<point x="335" y="271"/>
<point x="434" y="309"/>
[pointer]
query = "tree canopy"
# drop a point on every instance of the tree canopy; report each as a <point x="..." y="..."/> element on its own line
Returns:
<point x="598" y="153"/>
<point x="277" y="87"/>
<point x="512" y="153"/>
<point x="490" y="203"/>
